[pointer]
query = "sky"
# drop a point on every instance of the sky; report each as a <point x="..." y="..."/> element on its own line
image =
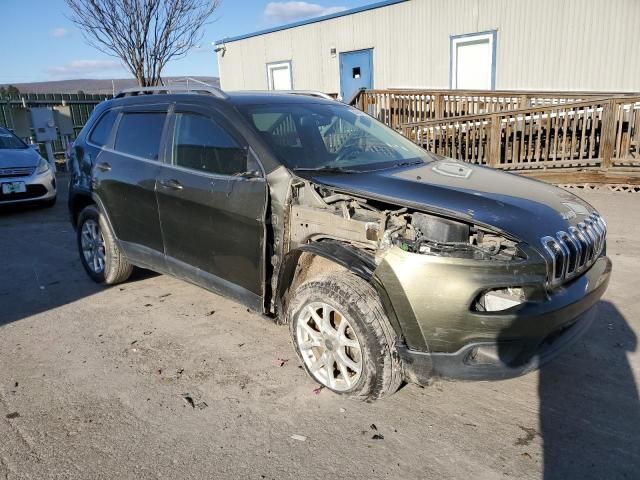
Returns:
<point x="39" y="43"/>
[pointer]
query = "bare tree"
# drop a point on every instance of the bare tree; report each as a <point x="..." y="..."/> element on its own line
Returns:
<point x="144" y="34"/>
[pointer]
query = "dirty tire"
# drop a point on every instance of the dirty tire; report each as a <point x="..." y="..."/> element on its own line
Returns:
<point x="381" y="373"/>
<point x="116" y="267"/>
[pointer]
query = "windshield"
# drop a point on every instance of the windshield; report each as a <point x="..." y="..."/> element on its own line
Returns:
<point x="321" y="136"/>
<point x="8" y="141"/>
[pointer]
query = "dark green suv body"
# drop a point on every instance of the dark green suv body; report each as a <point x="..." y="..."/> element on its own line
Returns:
<point x="388" y="262"/>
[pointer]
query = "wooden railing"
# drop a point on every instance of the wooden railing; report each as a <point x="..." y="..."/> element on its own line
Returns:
<point x="396" y="107"/>
<point x="596" y="133"/>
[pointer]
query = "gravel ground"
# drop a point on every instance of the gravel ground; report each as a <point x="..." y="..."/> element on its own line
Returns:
<point x="157" y="378"/>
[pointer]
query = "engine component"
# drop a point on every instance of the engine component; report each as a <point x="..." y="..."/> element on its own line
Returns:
<point x="440" y="230"/>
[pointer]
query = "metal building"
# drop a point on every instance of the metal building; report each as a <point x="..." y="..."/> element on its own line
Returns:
<point x="585" y="45"/>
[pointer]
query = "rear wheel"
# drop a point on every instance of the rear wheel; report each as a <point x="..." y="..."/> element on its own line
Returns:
<point x="100" y="255"/>
<point x="343" y="336"/>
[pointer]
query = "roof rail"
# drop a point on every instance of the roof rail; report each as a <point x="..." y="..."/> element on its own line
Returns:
<point x="200" y="89"/>
<point x="310" y="93"/>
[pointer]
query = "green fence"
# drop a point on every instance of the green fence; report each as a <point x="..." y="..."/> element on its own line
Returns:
<point x="80" y="107"/>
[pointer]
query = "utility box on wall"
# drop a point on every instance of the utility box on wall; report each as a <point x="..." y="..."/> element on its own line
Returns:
<point x="62" y="116"/>
<point x="44" y="124"/>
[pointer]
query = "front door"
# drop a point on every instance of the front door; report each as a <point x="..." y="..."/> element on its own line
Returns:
<point x="124" y="175"/>
<point x="356" y="72"/>
<point x="212" y="200"/>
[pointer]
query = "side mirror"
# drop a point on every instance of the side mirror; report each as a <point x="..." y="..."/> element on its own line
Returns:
<point x="35" y="146"/>
<point x="253" y="169"/>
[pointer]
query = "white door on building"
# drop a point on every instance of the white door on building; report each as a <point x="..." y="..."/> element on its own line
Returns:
<point x="279" y="76"/>
<point x="473" y="61"/>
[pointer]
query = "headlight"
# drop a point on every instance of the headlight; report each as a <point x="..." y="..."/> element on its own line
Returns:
<point x="43" y="166"/>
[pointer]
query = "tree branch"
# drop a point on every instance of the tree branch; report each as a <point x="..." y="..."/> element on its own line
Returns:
<point x="144" y="34"/>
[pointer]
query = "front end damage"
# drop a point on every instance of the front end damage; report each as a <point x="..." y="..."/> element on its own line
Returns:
<point x="468" y="301"/>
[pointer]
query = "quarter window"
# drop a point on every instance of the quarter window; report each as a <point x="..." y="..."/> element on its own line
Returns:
<point x="199" y="143"/>
<point x="139" y="134"/>
<point x="100" y="134"/>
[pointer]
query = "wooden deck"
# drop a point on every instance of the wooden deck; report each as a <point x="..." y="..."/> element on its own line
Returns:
<point x="554" y="136"/>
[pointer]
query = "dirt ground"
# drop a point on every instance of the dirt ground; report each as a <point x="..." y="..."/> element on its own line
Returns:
<point x="157" y="378"/>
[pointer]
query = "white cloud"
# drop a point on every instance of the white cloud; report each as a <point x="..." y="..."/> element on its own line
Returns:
<point x="82" y="68"/>
<point x="59" y="32"/>
<point x="283" y="12"/>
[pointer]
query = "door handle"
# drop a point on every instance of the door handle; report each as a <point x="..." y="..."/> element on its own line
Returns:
<point x="171" y="184"/>
<point x="103" y="167"/>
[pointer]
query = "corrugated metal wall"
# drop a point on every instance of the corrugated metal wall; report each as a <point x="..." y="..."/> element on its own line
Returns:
<point x="541" y="45"/>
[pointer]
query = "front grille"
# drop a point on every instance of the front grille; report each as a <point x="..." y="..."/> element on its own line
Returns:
<point x="16" y="172"/>
<point x="575" y="251"/>
<point x="33" y="191"/>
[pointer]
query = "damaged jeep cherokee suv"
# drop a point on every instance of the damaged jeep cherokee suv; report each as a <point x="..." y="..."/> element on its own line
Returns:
<point x="387" y="262"/>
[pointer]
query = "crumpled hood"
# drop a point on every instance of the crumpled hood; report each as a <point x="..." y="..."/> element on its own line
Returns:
<point x="24" y="157"/>
<point x="527" y="209"/>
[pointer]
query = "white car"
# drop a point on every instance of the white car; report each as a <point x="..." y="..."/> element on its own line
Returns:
<point x="24" y="175"/>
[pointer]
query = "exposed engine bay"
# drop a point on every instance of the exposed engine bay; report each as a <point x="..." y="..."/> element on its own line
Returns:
<point x="319" y="213"/>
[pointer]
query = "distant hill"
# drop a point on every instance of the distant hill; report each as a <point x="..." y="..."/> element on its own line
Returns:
<point x="88" y="85"/>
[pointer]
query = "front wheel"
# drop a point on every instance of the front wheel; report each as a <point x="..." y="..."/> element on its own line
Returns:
<point x="100" y="255"/>
<point x="343" y="337"/>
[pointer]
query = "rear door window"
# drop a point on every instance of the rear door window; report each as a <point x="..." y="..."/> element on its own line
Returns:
<point x="199" y="143"/>
<point x="101" y="132"/>
<point x="139" y="134"/>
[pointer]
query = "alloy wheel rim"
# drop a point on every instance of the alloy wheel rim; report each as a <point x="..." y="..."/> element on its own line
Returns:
<point x="92" y="243"/>
<point x="329" y="346"/>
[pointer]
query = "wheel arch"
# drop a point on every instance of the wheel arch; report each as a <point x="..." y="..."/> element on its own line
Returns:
<point x="297" y="266"/>
<point x="77" y="203"/>
<point x="80" y="201"/>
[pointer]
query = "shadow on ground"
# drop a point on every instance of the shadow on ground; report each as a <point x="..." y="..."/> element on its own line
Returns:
<point x="49" y="273"/>
<point x="589" y="406"/>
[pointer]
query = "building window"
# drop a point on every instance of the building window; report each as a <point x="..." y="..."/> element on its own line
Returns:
<point x="279" y="76"/>
<point x="473" y="61"/>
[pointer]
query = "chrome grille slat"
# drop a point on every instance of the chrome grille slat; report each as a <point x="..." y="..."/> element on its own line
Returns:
<point x="573" y="252"/>
<point x="16" y="171"/>
<point x="582" y="242"/>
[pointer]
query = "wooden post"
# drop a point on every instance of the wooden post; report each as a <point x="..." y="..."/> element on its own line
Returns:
<point x="439" y="106"/>
<point x="495" y="141"/>
<point x="608" y="133"/>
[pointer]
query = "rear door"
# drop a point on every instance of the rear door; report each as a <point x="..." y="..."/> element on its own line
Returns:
<point x="211" y="210"/>
<point x="124" y="177"/>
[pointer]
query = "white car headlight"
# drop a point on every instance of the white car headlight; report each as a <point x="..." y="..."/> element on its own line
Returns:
<point x="43" y="166"/>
